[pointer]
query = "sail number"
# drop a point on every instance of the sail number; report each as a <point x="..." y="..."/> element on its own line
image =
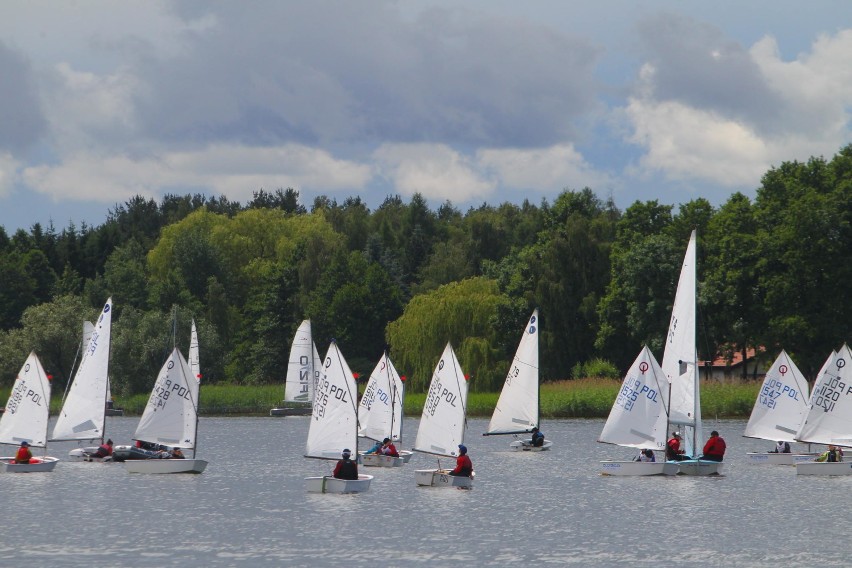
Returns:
<point x="631" y="391"/>
<point x="829" y="392"/>
<point x="774" y="390"/>
<point x="21" y="393"/>
<point x="325" y="393"/>
<point x="438" y="393"/>
<point x="166" y="390"/>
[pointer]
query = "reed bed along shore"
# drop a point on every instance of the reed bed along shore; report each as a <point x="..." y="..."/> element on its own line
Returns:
<point x="581" y="398"/>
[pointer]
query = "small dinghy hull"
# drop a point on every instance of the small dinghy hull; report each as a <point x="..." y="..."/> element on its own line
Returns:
<point x="699" y="467"/>
<point x="635" y="468"/>
<point x="377" y="460"/>
<point x="165" y="466"/>
<point x="44" y="463"/>
<point x="771" y="458"/>
<point x="526" y="446"/>
<point x="87" y="455"/>
<point x="441" y="478"/>
<point x="329" y="484"/>
<point x="824" y="468"/>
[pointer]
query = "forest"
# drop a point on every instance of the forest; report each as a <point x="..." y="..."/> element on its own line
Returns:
<point x="773" y="272"/>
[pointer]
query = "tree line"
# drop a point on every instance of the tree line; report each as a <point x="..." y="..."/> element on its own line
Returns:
<point x="772" y="271"/>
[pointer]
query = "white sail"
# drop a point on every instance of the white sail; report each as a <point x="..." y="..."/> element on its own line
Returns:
<point x="828" y="420"/>
<point x="194" y="356"/>
<point x="82" y="414"/>
<point x="27" y="409"/>
<point x="781" y="404"/>
<point x="680" y="357"/>
<point x="639" y="417"/>
<point x="380" y="409"/>
<point x="517" y="408"/>
<point x="171" y="415"/>
<point x="334" y="421"/>
<point x="300" y="368"/>
<point x="443" y="420"/>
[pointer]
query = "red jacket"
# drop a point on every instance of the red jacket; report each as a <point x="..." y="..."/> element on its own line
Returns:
<point x="390" y="450"/>
<point x="715" y="446"/>
<point x="24" y="455"/>
<point x="464" y="467"/>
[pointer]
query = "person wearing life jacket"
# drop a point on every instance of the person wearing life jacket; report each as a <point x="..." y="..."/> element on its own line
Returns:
<point x="346" y="468"/>
<point x="537" y="439"/>
<point x="714" y="449"/>
<point x="464" y="467"/>
<point x="376" y="449"/>
<point x="24" y="454"/>
<point x="646" y="455"/>
<point x="781" y="448"/>
<point x="673" y="451"/>
<point x="176" y="454"/>
<point x="388" y="448"/>
<point x="103" y="450"/>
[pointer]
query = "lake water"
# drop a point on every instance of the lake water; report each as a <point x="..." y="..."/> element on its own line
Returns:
<point x="250" y="508"/>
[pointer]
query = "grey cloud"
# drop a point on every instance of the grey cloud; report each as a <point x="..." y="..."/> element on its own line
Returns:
<point x="343" y="73"/>
<point x="695" y="64"/>
<point x="21" y="119"/>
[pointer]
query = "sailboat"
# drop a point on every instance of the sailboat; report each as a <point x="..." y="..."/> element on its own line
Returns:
<point x="829" y="418"/>
<point x="380" y="413"/>
<point x="779" y="411"/>
<point x="517" y="410"/>
<point x="26" y="416"/>
<point x="303" y="370"/>
<point x="170" y="419"/>
<point x="680" y="365"/>
<point x="83" y="414"/>
<point x="334" y="424"/>
<point x="639" y="418"/>
<point x="443" y="421"/>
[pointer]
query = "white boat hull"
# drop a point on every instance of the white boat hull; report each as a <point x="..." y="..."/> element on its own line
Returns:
<point x="329" y="484"/>
<point x="165" y="466"/>
<point x="771" y="458"/>
<point x="441" y="478"/>
<point x="44" y="463"/>
<point x="85" y="455"/>
<point x="526" y="446"/>
<point x="824" y="468"/>
<point x="635" y="468"/>
<point x="699" y="467"/>
<point x="377" y="460"/>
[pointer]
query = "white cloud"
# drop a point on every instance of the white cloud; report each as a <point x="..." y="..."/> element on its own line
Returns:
<point x="8" y="173"/>
<point x="544" y="169"/>
<point x="434" y="170"/>
<point x="688" y="143"/>
<point x="233" y="171"/>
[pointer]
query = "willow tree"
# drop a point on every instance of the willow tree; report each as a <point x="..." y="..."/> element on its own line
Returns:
<point x="463" y="313"/>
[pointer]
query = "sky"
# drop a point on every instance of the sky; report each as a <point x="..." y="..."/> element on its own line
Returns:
<point x="477" y="101"/>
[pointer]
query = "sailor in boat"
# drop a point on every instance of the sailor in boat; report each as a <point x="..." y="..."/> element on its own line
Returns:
<point x="388" y="448"/>
<point x="464" y="467"/>
<point x="177" y="454"/>
<point x="714" y="449"/>
<point x="781" y="448"/>
<point x="24" y="454"/>
<point x="645" y="455"/>
<point x="834" y="454"/>
<point x="537" y="440"/>
<point x="103" y="450"/>
<point x="673" y="451"/>
<point x="376" y="449"/>
<point x="346" y="468"/>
